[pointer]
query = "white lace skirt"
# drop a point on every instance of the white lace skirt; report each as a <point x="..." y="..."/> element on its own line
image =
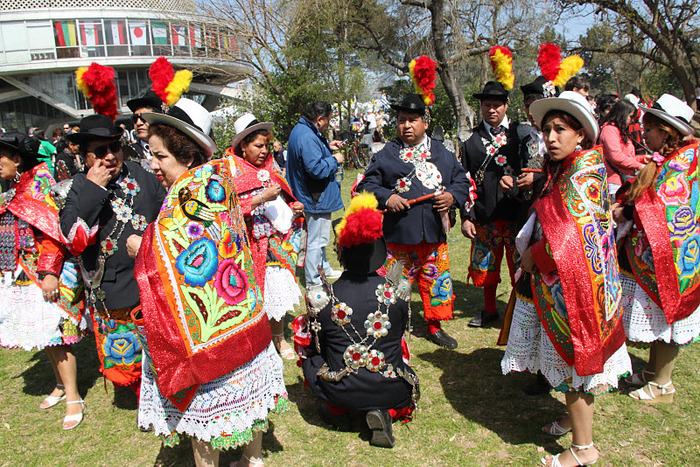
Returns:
<point x="281" y="292"/>
<point x="645" y="322"/>
<point x="530" y="349"/>
<point x="227" y="406"/>
<point x="27" y="321"/>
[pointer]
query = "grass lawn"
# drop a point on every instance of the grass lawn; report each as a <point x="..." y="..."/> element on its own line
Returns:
<point x="469" y="414"/>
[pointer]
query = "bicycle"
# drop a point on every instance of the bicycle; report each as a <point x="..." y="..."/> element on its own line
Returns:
<point x="355" y="155"/>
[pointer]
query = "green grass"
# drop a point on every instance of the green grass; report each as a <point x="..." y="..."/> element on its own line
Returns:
<point x="469" y="413"/>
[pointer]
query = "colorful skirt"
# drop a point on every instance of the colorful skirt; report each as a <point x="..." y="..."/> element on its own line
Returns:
<point x="224" y="412"/>
<point x="529" y="349"/>
<point x="645" y="321"/>
<point x="281" y="292"/>
<point x="28" y="322"/>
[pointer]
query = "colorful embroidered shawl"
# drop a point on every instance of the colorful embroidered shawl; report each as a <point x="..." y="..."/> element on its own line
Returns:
<point x="663" y="247"/>
<point x="576" y="223"/>
<point x="201" y="305"/>
<point x="31" y="201"/>
<point x="284" y="248"/>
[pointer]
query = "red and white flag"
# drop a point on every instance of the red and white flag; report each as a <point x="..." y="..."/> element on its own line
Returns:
<point x="179" y="35"/>
<point x="116" y="30"/>
<point x="137" y="32"/>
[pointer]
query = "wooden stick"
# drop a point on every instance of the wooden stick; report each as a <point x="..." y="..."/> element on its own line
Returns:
<point x="528" y="170"/>
<point x="413" y="201"/>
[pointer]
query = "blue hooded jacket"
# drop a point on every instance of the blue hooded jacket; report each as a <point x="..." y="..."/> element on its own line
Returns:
<point x="311" y="170"/>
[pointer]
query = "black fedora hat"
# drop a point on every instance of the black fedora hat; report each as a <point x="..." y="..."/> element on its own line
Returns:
<point x="94" y="127"/>
<point x="365" y="258"/>
<point x="412" y="103"/>
<point x="148" y="99"/>
<point x="536" y="88"/>
<point x="19" y="143"/>
<point x="492" y="90"/>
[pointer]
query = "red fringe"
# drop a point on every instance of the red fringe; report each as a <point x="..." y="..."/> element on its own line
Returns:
<point x="99" y="80"/>
<point x="161" y="73"/>
<point x="364" y="226"/>
<point x="549" y="60"/>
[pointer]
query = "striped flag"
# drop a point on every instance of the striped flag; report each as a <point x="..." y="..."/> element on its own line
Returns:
<point x="179" y="35"/>
<point x="195" y="36"/>
<point x="159" y="30"/>
<point x="137" y="33"/>
<point x="90" y="33"/>
<point x="65" y="34"/>
<point x="116" y="32"/>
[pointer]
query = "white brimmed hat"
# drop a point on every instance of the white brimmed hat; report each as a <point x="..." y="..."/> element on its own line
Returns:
<point x="572" y="103"/>
<point x="245" y="125"/>
<point x="673" y="111"/>
<point x="191" y="119"/>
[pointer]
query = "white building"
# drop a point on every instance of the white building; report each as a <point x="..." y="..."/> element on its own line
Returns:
<point x="43" y="42"/>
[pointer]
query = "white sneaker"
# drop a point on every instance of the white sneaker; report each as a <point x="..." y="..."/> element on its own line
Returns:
<point x="333" y="274"/>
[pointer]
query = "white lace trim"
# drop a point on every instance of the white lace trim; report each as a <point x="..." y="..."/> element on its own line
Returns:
<point x="228" y="405"/>
<point x="26" y="320"/>
<point x="281" y="292"/>
<point x="529" y="349"/>
<point x="644" y="321"/>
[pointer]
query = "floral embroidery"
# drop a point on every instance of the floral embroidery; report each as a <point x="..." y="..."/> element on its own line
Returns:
<point x="130" y="186"/>
<point x="377" y="324"/>
<point x="341" y="314"/>
<point x="194" y="230"/>
<point x="215" y="192"/>
<point x="263" y="175"/>
<point x="674" y="191"/>
<point x="198" y="262"/>
<point x="375" y="361"/>
<point x="355" y="355"/>
<point x="402" y="185"/>
<point x="441" y="289"/>
<point x="121" y="348"/>
<point x="385" y="294"/>
<point x="231" y="282"/>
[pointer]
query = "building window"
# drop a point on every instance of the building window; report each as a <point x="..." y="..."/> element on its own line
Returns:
<point x="116" y="37"/>
<point x="91" y="38"/>
<point x="66" y="39"/>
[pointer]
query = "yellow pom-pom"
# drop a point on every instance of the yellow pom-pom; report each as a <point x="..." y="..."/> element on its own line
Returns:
<point x="79" y="80"/>
<point x="178" y="86"/>
<point x="569" y="67"/>
<point x="363" y="200"/>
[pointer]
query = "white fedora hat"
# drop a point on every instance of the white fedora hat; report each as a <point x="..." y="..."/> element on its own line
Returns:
<point x="673" y="111"/>
<point x="245" y="125"/>
<point x="572" y="103"/>
<point x="191" y="119"/>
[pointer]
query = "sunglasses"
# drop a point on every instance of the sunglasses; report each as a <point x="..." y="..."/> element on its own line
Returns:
<point x="101" y="151"/>
<point x="136" y="117"/>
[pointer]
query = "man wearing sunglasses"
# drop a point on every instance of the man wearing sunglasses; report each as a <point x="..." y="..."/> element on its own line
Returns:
<point x="148" y="102"/>
<point x="104" y="206"/>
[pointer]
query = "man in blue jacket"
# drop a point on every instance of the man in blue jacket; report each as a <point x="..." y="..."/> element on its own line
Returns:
<point x="311" y="169"/>
<point x="409" y="167"/>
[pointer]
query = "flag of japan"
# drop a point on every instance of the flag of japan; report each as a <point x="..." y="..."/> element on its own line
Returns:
<point x="137" y="31"/>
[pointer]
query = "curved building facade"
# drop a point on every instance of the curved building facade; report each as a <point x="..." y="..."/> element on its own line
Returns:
<point x="43" y="42"/>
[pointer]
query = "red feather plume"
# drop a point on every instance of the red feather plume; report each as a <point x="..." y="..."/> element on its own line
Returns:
<point x="549" y="60"/>
<point x="363" y="226"/>
<point x="161" y="74"/>
<point x="98" y="81"/>
<point x="422" y="71"/>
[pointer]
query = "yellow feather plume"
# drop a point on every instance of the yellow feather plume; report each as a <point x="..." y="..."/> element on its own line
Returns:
<point x="362" y="200"/>
<point x="178" y="86"/>
<point x="503" y="69"/>
<point x="79" y="80"/>
<point x="568" y="68"/>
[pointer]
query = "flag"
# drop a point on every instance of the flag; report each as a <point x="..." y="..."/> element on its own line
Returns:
<point x="179" y="35"/>
<point x="90" y="33"/>
<point x="115" y="32"/>
<point x="137" y="32"/>
<point x="159" y="31"/>
<point x="65" y="34"/>
<point x="195" y="36"/>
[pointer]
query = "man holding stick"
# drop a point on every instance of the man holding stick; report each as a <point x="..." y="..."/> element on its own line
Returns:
<point x="411" y="167"/>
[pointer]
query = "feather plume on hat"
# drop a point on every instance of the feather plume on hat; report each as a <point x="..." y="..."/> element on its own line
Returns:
<point x="362" y="222"/>
<point x="422" y="71"/>
<point x="97" y="84"/>
<point x="553" y="68"/>
<point x="502" y="64"/>
<point x="167" y="84"/>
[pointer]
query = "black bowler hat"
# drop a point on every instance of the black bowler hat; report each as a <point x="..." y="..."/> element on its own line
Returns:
<point x="19" y="143"/>
<point x="492" y="90"/>
<point x="536" y="88"/>
<point x="94" y="127"/>
<point x="412" y="103"/>
<point x="148" y="99"/>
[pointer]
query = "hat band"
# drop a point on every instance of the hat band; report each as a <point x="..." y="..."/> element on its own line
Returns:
<point x="253" y="122"/>
<point x="656" y="106"/>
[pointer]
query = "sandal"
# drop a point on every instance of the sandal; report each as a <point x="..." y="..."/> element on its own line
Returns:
<point x="646" y="393"/>
<point x="555" y="429"/>
<point x="639" y="379"/>
<point x="285" y="351"/>
<point x="74" y="418"/>
<point x="555" y="459"/>
<point x="51" y="401"/>
<point x="251" y="462"/>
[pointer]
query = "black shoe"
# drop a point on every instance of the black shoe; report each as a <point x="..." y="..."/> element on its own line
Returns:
<point x="483" y="319"/>
<point x="339" y="422"/>
<point x="540" y="386"/>
<point x="379" y="421"/>
<point x="441" y="338"/>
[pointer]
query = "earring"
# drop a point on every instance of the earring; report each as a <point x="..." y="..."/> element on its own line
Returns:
<point x="18" y="175"/>
<point x="579" y="147"/>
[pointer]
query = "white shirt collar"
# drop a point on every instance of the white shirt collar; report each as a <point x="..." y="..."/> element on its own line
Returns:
<point x="505" y="123"/>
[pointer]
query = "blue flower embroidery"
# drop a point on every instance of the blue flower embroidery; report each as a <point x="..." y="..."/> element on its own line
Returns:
<point x="199" y="262"/>
<point x="558" y="297"/>
<point x="690" y="256"/>
<point x="123" y="348"/>
<point x="441" y="289"/>
<point x="215" y="191"/>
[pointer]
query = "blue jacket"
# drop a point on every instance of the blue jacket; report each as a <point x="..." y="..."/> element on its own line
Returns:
<point x="311" y="170"/>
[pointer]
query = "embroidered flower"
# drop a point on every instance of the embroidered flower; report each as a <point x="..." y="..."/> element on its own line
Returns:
<point x="389" y="372"/>
<point x="214" y="191"/>
<point x="130" y="186"/>
<point x="683" y="222"/>
<point x="198" y="262"/>
<point x="139" y="222"/>
<point x="355" y="356"/>
<point x="194" y="230"/>
<point x="658" y="159"/>
<point x="500" y="140"/>
<point x="402" y="185"/>
<point x="229" y="246"/>
<point x="109" y="246"/>
<point x="648" y="259"/>
<point x="341" y="314"/>
<point x="558" y="297"/>
<point x="431" y="271"/>
<point x="674" y="191"/>
<point x="385" y="294"/>
<point x="263" y="175"/>
<point x="231" y="282"/>
<point x="375" y="361"/>
<point x="690" y="257"/>
<point x="501" y="160"/>
<point x="377" y="324"/>
<point x="441" y="289"/>
<point x="121" y="348"/>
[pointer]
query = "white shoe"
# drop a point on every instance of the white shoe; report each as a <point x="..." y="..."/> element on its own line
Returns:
<point x="77" y="418"/>
<point x="333" y="274"/>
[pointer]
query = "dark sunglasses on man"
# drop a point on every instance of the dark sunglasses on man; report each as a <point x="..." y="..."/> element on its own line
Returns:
<point x="136" y="117"/>
<point x="113" y="148"/>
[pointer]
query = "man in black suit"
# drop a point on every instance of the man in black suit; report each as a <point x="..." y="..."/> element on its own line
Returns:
<point x="104" y="206"/>
<point x="411" y="166"/>
<point x="148" y="102"/>
<point x="492" y="151"/>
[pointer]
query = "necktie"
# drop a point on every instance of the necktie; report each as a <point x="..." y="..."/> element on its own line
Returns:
<point x="500" y="129"/>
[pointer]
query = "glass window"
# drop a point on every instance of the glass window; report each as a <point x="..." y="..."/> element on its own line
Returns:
<point x="66" y="39"/>
<point x="116" y="37"/>
<point x="180" y="39"/>
<point x="160" y="35"/>
<point x="139" y="37"/>
<point x="91" y="38"/>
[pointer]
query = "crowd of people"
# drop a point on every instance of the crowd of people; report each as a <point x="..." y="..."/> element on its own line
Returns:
<point x="184" y="267"/>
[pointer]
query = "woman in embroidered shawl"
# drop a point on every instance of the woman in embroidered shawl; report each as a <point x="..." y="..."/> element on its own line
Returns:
<point x="273" y="240"/>
<point x="40" y="305"/>
<point x="660" y="259"/>
<point x="568" y="323"/>
<point x="213" y="373"/>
